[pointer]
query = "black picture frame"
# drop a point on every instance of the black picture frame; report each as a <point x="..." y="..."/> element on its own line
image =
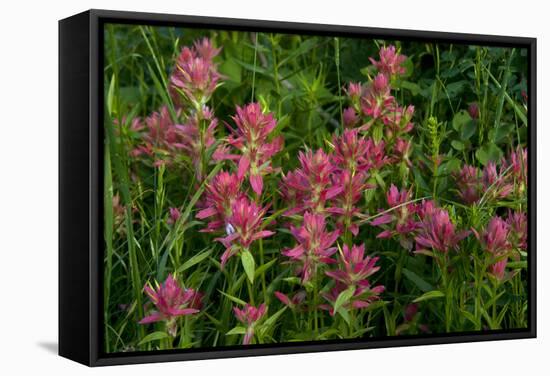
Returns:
<point x="80" y="186"/>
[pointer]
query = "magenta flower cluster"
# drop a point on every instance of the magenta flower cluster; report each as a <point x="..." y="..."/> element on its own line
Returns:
<point x="330" y="198"/>
<point x="495" y="182"/>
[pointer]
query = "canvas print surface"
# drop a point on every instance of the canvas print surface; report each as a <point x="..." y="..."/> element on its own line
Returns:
<point x="265" y="188"/>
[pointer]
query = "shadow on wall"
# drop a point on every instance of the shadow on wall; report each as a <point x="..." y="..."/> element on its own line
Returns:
<point x="51" y="347"/>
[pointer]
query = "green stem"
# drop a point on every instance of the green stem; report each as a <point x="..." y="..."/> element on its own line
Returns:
<point x="264" y="287"/>
<point x="494" y="308"/>
<point x="254" y="70"/>
<point x="445" y="282"/>
<point x="250" y="291"/>
<point x="315" y="305"/>
<point x="477" y="303"/>
<point x="276" y="73"/>
<point x="337" y="62"/>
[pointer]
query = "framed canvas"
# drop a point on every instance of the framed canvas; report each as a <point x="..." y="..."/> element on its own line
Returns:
<point x="239" y="187"/>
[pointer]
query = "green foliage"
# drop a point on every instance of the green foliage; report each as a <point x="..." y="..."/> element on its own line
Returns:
<point x="303" y="81"/>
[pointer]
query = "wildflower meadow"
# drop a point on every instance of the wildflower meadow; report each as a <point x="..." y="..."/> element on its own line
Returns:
<point x="265" y="188"/>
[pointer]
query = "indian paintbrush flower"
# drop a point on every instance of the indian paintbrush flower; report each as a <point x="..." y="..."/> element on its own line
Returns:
<point x="377" y="154"/>
<point x="195" y="76"/>
<point x="171" y="301"/>
<point x="469" y="184"/>
<point x="438" y="233"/>
<point x="195" y="139"/>
<point x="390" y="63"/>
<point x="294" y="302"/>
<point x="494" y="182"/>
<point x="363" y="296"/>
<point x="355" y="267"/>
<point x="350" y="117"/>
<point x="397" y="120"/>
<point x="352" y="189"/>
<point x="220" y="195"/>
<point x="312" y="182"/>
<point x="399" y="221"/>
<point x="250" y="316"/>
<point x="517" y="222"/>
<point x="250" y="137"/>
<point x="410" y="312"/>
<point x="243" y="227"/>
<point x="161" y="137"/>
<point x="376" y="99"/>
<point x="516" y="165"/>
<point x="173" y="215"/>
<point x="351" y="152"/>
<point x="401" y="151"/>
<point x="315" y="245"/>
<point x="494" y="239"/>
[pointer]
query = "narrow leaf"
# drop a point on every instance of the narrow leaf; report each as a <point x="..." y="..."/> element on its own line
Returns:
<point x="343" y="298"/>
<point x="153" y="337"/>
<point x="435" y="294"/>
<point x="248" y="264"/>
<point x="194" y="260"/>
<point x="236" y="330"/>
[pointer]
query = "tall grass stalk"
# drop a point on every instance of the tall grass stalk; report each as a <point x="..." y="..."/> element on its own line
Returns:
<point x="121" y="170"/>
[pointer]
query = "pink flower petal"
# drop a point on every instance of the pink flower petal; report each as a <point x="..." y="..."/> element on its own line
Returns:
<point x="205" y="213"/>
<point x="257" y="183"/>
<point x="244" y="164"/>
<point x="154" y="317"/>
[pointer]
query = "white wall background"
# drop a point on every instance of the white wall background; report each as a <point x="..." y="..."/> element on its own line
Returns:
<point x="28" y="186"/>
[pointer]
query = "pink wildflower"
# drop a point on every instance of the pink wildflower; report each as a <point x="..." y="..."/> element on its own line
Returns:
<point x="243" y="227"/>
<point x="517" y="163"/>
<point x="517" y="222"/>
<point x="426" y="210"/>
<point x="438" y="233"/>
<point x="293" y="302"/>
<point x="315" y="245"/>
<point x="352" y="189"/>
<point x="350" y="117"/>
<point x="377" y="154"/>
<point x="354" y="91"/>
<point x="376" y="99"/>
<point x="173" y="215"/>
<point x="363" y="296"/>
<point x="401" y="150"/>
<point x="312" y="182"/>
<point x="469" y="184"/>
<point x="351" y="151"/>
<point x="495" y="240"/>
<point x="355" y="266"/>
<point x="191" y="139"/>
<point x="400" y="221"/>
<point x="161" y="137"/>
<point x="398" y="120"/>
<point x="220" y="195"/>
<point x="498" y="269"/>
<point x="195" y="76"/>
<point x="292" y="192"/>
<point x="250" y="316"/>
<point x="494" y="182"/>
<point x="390" y="63"/>
<point x="250" y="138"/>
<point x="171" y="301"/>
